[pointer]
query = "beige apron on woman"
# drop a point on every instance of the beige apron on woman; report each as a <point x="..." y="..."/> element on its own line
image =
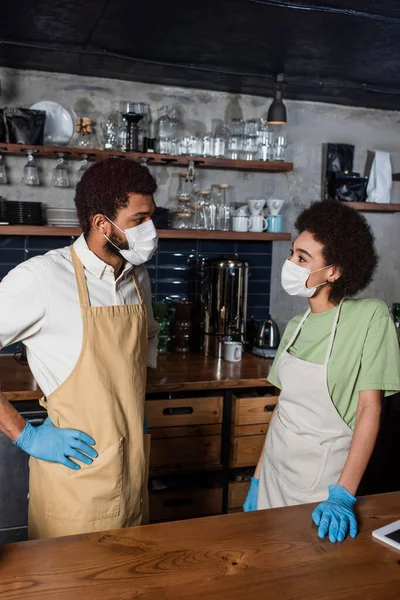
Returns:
<point x="104" y="397"/>
<point x="307" y="442"/>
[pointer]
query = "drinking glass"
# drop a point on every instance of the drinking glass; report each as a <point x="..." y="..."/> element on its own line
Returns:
<point x="3" y="171"/>
<point x="207" y="144"/>
<point x="60" y="173"/>
<point x="83" y="166"/>
<point x="280" y="148"/>
<point x="31" y="175"/>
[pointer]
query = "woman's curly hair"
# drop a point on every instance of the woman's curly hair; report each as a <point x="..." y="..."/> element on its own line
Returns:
<point x="105" y="188"/>
<point x="348" y="243"/>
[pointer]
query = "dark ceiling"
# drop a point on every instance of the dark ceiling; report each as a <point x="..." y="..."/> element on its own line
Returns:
<point x="343" y="51"/>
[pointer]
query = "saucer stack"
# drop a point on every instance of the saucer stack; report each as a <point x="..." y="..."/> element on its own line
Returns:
<point x="62" y="217"/>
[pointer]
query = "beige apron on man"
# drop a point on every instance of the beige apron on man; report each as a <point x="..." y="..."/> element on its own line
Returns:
<point x="307" y="442"/>
<point x="104" y="397"/>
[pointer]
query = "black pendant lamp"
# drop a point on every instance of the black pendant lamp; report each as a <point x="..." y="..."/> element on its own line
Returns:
<point x="277" y="110"/>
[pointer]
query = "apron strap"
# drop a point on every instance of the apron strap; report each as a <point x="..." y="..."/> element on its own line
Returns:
<point x="137" y="286"/>
<point x="297" y="331"/>
<point x="80" y="280"/>
<point x="333" y="332"/>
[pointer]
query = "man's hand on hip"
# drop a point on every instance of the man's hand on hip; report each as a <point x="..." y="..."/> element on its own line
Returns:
<point x="51" y="443"/>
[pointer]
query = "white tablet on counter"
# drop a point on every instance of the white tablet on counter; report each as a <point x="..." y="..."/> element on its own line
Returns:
<point x="390" y="534"/>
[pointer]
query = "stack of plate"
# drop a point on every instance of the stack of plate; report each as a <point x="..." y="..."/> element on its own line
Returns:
<point x="62" y="217"/>
<point x="24" y="213"/>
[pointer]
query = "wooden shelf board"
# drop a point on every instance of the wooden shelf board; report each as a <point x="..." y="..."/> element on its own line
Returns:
<point x="149" y="158"/>
<point x="374" y="207"/>
<point x="174" y="234"/>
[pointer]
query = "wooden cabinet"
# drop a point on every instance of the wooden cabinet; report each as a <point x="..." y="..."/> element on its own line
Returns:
<point x="184" y="412"/>
<point x="237" y="494"/>
<point x="175" y="453"/>
<point x="172" y="505"/>
<point x="186" y="433"/>
<point x="249" y="424"/>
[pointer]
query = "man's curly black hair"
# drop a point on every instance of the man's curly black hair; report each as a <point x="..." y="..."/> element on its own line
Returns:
<point x="348" y="243"/>
<point x="105" y="188"/>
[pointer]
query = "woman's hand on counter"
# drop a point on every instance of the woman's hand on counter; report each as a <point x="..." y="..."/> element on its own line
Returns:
<point x="336" y="515"/>
<point x="51" y="443"/>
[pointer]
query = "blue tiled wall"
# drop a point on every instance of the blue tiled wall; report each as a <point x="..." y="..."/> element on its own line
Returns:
<point x="174" y="268"/>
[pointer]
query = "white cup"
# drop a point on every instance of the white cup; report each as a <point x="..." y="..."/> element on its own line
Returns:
<point x="256" y="206"/>
<point x="233" y="351"/>
<point x="240" y="223"/>
<point x="258" y="223"/>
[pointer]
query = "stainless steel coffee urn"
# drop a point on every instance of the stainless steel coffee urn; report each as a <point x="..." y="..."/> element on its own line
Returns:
<point x="223" y="302"/>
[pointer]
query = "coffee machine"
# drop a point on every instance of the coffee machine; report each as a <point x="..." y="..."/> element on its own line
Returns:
<point x="223" y="303"/>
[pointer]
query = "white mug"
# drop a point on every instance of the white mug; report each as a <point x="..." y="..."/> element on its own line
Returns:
<point x="256" y="206"/>
<point x="240" y="223"/>
<point x="258" y="223"/>
<point x="233" y="351"/>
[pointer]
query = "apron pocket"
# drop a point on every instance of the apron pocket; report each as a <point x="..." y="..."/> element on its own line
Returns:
<point x="90" y="494"/>
<point x="295" y="459"/>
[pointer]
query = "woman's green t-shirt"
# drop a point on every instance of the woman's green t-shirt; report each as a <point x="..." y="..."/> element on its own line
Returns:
<point x="365" y="353"/>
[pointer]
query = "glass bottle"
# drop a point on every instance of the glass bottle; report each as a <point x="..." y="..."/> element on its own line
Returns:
<point x="163" y="131"/>
<point x="219" y="143"/>
<point x="199" y="202"/>
<point x="235" y="139"/>
<point x="175" y="129"/>
<point x="225" y="208"/>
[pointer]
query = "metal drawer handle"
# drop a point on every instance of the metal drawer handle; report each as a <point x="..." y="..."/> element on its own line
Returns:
<point x="179" y="410"/>
<point x="37" y="421"/>
<point x="178" y="502"/>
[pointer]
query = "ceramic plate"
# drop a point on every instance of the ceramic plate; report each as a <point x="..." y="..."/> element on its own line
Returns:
<point x="59" y="127"/>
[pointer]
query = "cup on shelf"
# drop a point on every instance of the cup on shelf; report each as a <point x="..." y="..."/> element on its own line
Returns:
<point x="240" y="223"/>
<point x="232" y="351"/>
<point x="258" y="223"/>
<point x="274" y="223"/>
<point x="256" y="206"/>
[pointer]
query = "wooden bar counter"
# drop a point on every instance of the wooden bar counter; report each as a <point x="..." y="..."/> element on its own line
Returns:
<point x="263" y="555"/>
<point x="174" y="373"/>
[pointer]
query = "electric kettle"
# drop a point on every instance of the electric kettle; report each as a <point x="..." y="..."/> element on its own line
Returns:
<point x="266" y="338"/>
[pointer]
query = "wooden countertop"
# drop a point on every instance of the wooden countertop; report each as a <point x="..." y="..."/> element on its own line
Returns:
<point x="174" y="373"/>
<point x="261" y="555"/>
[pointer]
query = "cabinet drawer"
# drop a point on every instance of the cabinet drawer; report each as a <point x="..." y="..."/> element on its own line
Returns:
<point x="252" y="411"/>
<point x="176" y="453"/>
<point x="237" y="493"/>
<point x="171" y="505"/>
<point x="246" y="450"/>
<point x="184" y="411"/>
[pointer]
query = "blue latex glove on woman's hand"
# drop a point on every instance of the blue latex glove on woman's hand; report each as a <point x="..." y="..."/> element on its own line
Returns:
<point x="54" y="444"/>
<point x="336" y="515"/>
<point x="252" y="496"/>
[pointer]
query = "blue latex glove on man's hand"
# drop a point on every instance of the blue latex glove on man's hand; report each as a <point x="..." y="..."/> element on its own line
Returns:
<point x="54" y="444"/>
<point x="336" y="515"/>
<point x="252" y="496"/>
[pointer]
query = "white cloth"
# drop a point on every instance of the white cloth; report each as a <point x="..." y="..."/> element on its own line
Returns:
<point x="380" y="179"/>
<point x="39" y="305"/>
